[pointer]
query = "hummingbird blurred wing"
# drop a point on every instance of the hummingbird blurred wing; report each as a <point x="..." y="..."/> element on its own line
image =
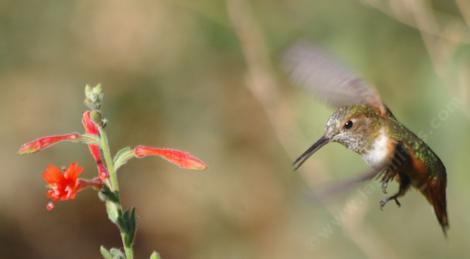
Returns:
<point x="313" y="68"/>
<point x="347" y="185"/>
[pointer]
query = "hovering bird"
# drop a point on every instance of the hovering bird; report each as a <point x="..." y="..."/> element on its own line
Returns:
<point x="363" y="124"/>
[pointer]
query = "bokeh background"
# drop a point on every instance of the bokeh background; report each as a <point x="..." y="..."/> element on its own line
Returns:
<point x="205" y="76"/>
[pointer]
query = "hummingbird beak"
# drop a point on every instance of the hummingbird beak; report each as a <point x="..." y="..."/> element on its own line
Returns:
<point x="310" y="151"/>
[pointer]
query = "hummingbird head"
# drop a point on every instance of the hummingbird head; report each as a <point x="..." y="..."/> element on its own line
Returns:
<point x="356" y="127"/>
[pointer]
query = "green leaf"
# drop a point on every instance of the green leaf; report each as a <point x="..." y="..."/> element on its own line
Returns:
<point x="113" y="253"/>
<point x="90" y="139"/>
<point x="154" y="255"/>
<point x="113" y="212"/>
<point x="122" y="157"/>
<point x="105" y="253"/>
<point x="106" y="194"/>
<point x="132" y="226"/>
<point x="127" y="224"/>
<point x="112" y="202"/>
<point x="117" y="253"/>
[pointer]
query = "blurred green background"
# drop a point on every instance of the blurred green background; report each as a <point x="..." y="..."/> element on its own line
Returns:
<point x="176" y="74"/>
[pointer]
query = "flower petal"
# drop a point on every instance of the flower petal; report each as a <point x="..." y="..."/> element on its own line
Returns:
<point x="45" y="142"/>
<point x="73" y="171"/>
<point x="52" y="175"/>
<point x="177" y="157"/>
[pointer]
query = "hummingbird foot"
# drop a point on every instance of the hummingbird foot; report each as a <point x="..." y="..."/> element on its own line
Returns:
<point x="386" y="178"/>
<point x="386" y="200"/>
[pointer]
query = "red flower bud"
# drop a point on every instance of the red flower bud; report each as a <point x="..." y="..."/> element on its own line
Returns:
<point x="89" y="125"/>
<point x="45" y="142"/>
<point x="91" y="128"/>
<point x="179" y="158"/>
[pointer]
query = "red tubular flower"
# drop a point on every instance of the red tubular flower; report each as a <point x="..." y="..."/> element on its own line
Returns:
<point x="45" y="142"/>
<point x="179" y="158"/>
<point x="92" y="129"/>
<point x="64" y="186"/>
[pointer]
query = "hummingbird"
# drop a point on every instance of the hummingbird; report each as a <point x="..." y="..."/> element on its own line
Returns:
<point x="365" y="125"/>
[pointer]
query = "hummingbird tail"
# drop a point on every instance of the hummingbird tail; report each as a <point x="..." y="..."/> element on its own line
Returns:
<point x="435" y="193"/>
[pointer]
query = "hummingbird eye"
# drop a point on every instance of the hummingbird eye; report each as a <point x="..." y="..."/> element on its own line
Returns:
<point x="348" y="124"/>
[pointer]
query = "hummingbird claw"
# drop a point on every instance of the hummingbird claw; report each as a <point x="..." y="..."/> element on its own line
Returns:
<point x="384" y="187"/>
<point x="382" y="204"/>
<point x="397" y="202"/>
<point x="386" y="200"/>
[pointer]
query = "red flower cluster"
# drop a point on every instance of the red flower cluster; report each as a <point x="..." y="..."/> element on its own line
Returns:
<point x="64" y="185"/>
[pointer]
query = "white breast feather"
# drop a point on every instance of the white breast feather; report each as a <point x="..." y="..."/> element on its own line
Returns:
<point x="379" y="150"/>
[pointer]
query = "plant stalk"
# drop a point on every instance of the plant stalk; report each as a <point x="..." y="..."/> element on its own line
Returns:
<point x="114" y="186"/>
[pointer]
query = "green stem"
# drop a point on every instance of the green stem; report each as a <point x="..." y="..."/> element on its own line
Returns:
<point x="114" y="186"/>
<point x="109" y="161"/>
